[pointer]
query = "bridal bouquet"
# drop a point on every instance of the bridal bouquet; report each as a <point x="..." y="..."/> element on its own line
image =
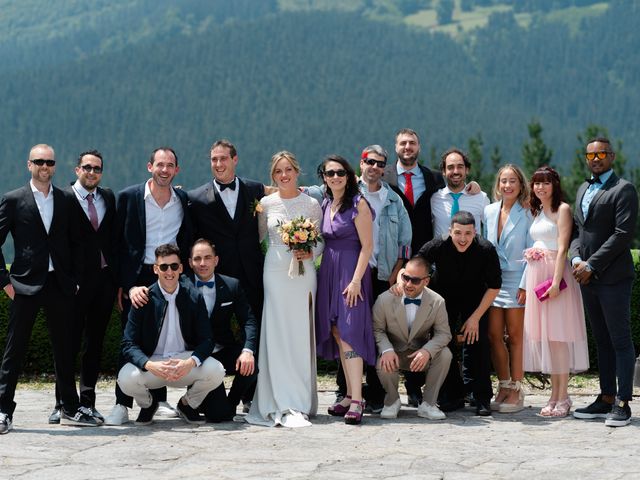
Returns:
<point x="533" y="254"/>
<point x="299" y="234"/>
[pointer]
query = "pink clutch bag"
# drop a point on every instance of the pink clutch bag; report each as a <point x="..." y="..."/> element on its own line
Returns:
<point x="544" y="286"/>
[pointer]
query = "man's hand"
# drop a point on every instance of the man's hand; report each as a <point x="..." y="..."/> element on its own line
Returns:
<point x="245" y="364"/>
<point x="389" y="361"/>
<point x="420" y="359"/>
<point x="119" y="298"/>
<point x="470" y="330"/>
<point x="181" y="368"/>
<point x="139" y="296"/>
<point x="163" y="369"/>
<point x="8" y="289"/>
<point x="473" y="188"/>
<point x="581" y="274"/>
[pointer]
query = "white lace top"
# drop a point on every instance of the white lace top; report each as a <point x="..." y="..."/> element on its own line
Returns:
<point x="544" y="232"/>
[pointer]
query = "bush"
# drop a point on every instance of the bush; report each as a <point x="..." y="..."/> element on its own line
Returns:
<point x="40" y="360"/>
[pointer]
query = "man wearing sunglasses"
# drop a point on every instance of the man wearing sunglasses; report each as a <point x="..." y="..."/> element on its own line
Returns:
<point x="167" y="342"/>
<point x="412" y="333"/>
<point x="148" y="215"/>
<point x="44" y="274"/>
<point x="605" y="218"/>
<point x="94" y="212"/>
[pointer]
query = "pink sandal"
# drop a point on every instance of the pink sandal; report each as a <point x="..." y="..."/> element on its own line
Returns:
<point x="547" y="410"/>
<point x="562" y="408"/>
<point x="354" y="417"/>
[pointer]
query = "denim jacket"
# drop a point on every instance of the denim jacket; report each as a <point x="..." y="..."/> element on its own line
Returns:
<point x="395" y="229"/>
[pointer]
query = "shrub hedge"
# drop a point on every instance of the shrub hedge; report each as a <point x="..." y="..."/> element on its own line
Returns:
<point x="39" y="358"/>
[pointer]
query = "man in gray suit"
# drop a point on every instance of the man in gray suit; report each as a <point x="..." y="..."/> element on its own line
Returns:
<point x="412" y="333"/>
<point x="605" y="221"/>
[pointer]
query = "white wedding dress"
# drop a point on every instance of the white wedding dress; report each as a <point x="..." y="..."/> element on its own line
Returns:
<point x="286" y="392"/>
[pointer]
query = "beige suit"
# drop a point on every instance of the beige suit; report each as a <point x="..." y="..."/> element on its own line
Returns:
<point x="430" y="331"/>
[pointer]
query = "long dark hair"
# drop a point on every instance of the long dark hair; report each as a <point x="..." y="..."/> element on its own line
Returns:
<point x="351" y="189"/>
<point x="545" y="174"/>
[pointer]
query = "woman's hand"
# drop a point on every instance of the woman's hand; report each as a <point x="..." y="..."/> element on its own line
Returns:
<point x="352" y="293"/>
<point x="553" y="291"/>
<point x="521" y="296"/>
<point x="302" y="255"/>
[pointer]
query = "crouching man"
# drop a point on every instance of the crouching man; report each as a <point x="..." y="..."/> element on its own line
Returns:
<point x="167" y="342"/>
<point x="412" y="333"/>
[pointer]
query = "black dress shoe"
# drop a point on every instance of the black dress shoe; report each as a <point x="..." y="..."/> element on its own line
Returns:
<point x="451" y="405"/>
<point x="414" y="399"/>
<point x="145" y="417"/>
<point x="483" y="408"/>
<point x="189" y="414"/>
<point x="54" y="418"/>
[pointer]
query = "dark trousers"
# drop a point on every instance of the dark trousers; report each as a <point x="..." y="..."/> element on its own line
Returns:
<point x="93" y="309"/>
<point x="609" y="311"/>
<point x="218" y="406"/>
<point x="475" y="359"/>
<point x="145" y="278"/>
<point x="58" y="308"/>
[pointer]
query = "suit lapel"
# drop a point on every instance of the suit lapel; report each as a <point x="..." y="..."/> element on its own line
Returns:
<point x="142" y="216"/>
<point x="33" y="206"/>
<point x="400" y="316"/>
<point x="421" y="316"/>
<point x="218" y="205"/>
<point x="514" y="217"/>
<point x="241" y="204"/>
<point x="578" y="205"/>
<point x="599" y="193"/>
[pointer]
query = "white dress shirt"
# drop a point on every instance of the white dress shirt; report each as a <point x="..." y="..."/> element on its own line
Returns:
<point x="411" y="309"/>
<point x="229" y="197"/>
<point x="442" y="202"/>
<point x="170" y="341"/>
<point x="45" y="207"/>
<point x="162" y="223"/>
<point x="98" y="201"/>
<point x="209" y="294"/>
<point x="376" y="200"/>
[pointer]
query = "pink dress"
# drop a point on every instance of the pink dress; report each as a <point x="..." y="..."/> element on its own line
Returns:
<point x="555" y="337"/>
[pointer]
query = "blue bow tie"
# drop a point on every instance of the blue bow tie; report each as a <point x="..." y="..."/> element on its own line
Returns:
<point x="200" y="283"/>
<point x="415" y="301"/>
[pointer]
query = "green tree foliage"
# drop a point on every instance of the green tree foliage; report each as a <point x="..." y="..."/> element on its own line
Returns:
<point x="444" y="11"/>
<point x="467" y="5"/>
<point x="535" y="152"/>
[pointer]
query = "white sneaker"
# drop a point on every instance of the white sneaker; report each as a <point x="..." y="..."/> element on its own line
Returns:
<point x="431" y="412"/>
<point x="118" y="416"/>
<point x="392" y="410"/>
<point x="167" y="411"/>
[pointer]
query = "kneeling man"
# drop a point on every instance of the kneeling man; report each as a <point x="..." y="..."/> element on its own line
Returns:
<point x="412" y="333"/>
<point x="167" y="342"/>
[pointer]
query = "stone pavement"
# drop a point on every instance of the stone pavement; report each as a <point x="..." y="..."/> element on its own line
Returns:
<point x="462" y="447"/>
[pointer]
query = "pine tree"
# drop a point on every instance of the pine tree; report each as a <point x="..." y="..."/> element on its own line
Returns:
<point x="535" y="153"/>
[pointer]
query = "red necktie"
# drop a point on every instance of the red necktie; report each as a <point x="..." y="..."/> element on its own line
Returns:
<point x="408" y="187"/>
<point x="93" y="218"/>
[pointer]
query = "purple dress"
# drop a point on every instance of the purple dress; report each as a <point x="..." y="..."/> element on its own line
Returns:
<point x="341" y="251"/>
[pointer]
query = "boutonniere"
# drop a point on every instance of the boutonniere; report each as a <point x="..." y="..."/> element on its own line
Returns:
<point x="256" y="208"/>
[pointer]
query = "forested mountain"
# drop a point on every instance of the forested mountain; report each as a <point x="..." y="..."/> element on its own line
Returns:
<point x="314" y="77"/>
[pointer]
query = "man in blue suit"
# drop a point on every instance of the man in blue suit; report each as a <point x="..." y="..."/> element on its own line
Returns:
<point x="148" y="215"/>
<point x="605" y="221"/>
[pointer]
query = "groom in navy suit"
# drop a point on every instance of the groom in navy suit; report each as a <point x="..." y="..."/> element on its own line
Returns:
<point x="605" y="218"/>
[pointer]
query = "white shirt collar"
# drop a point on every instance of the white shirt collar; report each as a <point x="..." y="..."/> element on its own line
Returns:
<point x="83" y="192"/>
<point x="34" y="189"/>
<point x="147" y="190"/>
<point x="169" y="296"/>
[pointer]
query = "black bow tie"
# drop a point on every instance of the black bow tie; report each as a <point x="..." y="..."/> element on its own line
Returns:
<point x="224" y="186"/>
<point x="595" y="179"/>
<point x="415" y="301"/>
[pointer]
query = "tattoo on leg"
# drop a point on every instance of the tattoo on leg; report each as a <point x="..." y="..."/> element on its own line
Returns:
<point x="351" y="354"/>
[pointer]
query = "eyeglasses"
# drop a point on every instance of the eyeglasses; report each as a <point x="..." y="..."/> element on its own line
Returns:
<point x="90" y="168"/>
<point x="592" y="155"/>
<point x="166" y="266"/>
<point x="333" y="173"/>
<point x="414" y="280"/>
<point x="377" y="163"/>
<point x="40" y="162"/>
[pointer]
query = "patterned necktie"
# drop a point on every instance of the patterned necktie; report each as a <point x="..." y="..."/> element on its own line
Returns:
<point x="408" y="187"/>
<point x="415" y="301"/>
<point x="455" y="208"/>
<point x="93" y="218"/>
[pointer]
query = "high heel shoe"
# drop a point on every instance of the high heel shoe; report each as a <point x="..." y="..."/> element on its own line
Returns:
<point x="514" y="407"/>
<point x="562" y="408"/>
<point x="339" y="410"/>
<point x="547" y="410"/>
<point x="502" y="385"/>
<point x="354" y="417"/>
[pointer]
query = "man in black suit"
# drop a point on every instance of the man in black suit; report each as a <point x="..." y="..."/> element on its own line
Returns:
<point x="222" y="211"/>
<point x="94" y="213"/>
<point x="605" y="218"/>
<point x="168" y="342"/>
<point x="44" y="274"/>
<point x="234" y="342"/>
<point x="148" y="215"/>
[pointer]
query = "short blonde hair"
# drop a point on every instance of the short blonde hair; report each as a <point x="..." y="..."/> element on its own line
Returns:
<point x="279" y="156"/>
<point x="523" y="196"/>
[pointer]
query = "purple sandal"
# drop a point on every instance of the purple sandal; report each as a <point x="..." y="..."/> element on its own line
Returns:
<point x="337" y="409"/>
<point x="354" y="417"/>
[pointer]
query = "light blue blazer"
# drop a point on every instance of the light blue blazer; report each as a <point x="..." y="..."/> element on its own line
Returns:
<point x="514" y="239"/>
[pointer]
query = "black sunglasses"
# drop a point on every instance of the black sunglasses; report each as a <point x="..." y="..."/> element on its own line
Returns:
<point x="377" y="163"/>
<point x="333" y="173"/>
<point x="90" y="168"/>
<point x="166" y="266"/>
<point x="40" y="162"/>
<point x="414" y="280"/>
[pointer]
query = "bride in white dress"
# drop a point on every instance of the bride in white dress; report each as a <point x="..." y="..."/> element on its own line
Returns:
<point x="286" y="390"/>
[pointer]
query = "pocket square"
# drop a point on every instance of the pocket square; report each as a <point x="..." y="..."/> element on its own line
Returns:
<point x="226" y="304"/>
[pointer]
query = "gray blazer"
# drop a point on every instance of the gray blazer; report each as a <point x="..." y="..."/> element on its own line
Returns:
<point x="604" y="237"/>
